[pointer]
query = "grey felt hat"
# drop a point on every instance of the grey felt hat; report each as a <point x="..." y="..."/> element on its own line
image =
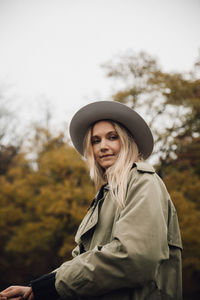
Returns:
<point x="115" y="111"/>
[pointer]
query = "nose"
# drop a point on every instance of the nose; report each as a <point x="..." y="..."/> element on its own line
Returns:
<point x="103" y="145"/>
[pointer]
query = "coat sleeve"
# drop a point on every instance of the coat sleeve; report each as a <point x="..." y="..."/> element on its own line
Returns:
<point x="131" y="259"/>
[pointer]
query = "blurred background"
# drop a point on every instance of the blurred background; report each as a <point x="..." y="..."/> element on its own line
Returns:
<point x="59" y="55"/>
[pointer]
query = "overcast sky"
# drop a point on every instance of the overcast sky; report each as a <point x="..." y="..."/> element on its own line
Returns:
<point x="52" y="49"/>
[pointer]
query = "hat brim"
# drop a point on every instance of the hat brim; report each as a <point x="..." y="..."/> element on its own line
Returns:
<point x="114" y="111"/>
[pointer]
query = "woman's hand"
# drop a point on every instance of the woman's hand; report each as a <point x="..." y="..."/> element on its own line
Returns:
<point x="17" y="292"/>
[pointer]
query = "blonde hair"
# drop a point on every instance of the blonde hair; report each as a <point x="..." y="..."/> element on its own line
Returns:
<point x="116" y="175"/>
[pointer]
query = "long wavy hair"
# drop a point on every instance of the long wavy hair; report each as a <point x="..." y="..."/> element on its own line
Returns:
<point x="117" y="175"/>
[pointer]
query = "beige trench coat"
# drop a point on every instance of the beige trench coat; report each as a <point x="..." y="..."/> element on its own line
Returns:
<point x="131" y="253"/>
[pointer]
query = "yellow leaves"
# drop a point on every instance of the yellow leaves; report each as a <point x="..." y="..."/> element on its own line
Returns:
<point x="10" y="218"/>
<point x="184" y="188"/>
<point x="68" y="244"/>
<point x="29" y="238"/>
<point x="182" y="178"/>
<point x="191" y="187"/>
<point x="41" y="207"/>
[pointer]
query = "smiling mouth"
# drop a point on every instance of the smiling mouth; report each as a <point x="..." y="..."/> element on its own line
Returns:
<point x="108" y="155"/>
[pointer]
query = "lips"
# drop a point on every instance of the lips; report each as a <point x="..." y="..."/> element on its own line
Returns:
<point x="106" y="155"/>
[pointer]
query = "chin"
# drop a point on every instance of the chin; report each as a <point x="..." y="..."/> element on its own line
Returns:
<point x="106" y="166"/>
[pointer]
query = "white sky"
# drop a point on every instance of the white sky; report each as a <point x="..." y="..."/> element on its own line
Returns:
<point x="52" y="50"/>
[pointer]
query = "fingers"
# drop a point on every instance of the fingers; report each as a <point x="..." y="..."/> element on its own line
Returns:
<point x="7" y="290"/>
<point x="28" y="293"/>
<point x="9" y="293"/>
<point x="17" y="293"/>
<point x="31" y="297"/>
<point x="6" y="298"/>
<point x="14" y="292"/>
<point x="15" y="298"/>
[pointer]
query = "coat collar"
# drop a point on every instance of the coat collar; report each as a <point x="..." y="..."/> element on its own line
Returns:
<point x="91" y="219"/>
<point x="144" y="167"/>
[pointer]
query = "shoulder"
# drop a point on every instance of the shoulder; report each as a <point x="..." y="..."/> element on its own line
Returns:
<point x="139" y="169"/>
<point x="146" y="187"/>
<point x="144" y="173"/>
<point x="144" y="167"/>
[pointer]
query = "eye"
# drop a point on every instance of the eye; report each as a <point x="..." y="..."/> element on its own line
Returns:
<point x="113" y="137"/>
<point x="95" y="140"/>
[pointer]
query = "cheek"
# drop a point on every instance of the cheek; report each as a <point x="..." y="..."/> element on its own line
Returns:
<point x="118" y="146"/>
<point x="94" y="149"/>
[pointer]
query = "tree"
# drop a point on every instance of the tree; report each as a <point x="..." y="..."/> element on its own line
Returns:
<point x="170" y="102"/>
<point x="7" y="119"/>
<point x="41" y="206"/>
<point x="7" y="154"/>
<point x="182" y="177"/>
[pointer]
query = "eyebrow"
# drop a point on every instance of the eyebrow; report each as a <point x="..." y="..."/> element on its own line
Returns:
<point x="109" y="132"/>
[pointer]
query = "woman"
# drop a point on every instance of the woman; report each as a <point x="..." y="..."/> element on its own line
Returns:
<point x="128" y="244"/>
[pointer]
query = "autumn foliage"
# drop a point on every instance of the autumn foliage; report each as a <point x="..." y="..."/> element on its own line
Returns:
<point x="45" y="190"/>
<point x="41" y="205"/>
<point x="170" y="103"/>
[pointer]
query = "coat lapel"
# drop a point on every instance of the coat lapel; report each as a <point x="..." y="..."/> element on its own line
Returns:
<point x="91" y="218"/>
<point x="89" y="221"/>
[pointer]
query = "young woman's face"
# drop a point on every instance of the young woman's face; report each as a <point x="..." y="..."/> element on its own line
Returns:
<point x="105" y="143"/>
